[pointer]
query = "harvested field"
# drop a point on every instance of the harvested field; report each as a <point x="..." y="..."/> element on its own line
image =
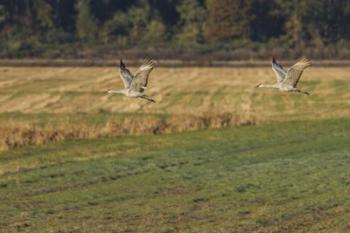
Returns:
<point x="64" y="166"/>
<point x="40" y="105"/>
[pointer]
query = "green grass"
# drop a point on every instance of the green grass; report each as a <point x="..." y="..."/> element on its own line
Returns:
<point x="280" y="177"/>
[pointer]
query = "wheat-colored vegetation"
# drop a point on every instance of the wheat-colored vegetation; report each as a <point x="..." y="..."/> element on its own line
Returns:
<point x="39" y="105"/>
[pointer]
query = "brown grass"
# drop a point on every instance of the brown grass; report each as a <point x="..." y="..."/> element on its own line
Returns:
<point x="15" y="135"/>
<point x="187" y="99"/>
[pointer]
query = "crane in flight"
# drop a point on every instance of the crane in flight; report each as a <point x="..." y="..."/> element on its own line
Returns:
<point x="288" y="80"/>
<point x="135" y="85"/>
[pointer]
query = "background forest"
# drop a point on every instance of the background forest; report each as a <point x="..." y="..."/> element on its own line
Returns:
<point x="195" y="29"/>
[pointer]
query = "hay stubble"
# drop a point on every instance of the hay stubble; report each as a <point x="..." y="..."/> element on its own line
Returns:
<point x="187" y="99"/>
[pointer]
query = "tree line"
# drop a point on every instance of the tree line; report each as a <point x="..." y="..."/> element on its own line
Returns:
<point x="57" y="28"/>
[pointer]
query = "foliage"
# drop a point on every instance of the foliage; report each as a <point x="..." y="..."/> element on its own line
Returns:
<point x="227" y="23"/>
<point x="86" y="22"/>
<point x="191" y="25"/>
<point x="33" y="26"/>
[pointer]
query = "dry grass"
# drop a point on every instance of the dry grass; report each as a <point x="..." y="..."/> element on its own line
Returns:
<point x="16" y="134"/>
<point x="187" y="99"/>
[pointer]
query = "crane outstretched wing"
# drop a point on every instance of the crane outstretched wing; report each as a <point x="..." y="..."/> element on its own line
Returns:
<point x="125" y="74"/>
<point x="139" y="82"/>
<point x="278" y="70"/>
<point x="294" y="73"/>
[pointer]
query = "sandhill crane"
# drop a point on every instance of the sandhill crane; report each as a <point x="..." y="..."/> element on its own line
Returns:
<point x="134" y="86"/>
<point x="288" y="80"/>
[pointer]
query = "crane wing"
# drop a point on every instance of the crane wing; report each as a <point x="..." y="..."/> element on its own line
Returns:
<point x="125" y="74"/>
<point x="294" y="73"/>
<point x="278" y="70"/>
<point x="139" y="82"/>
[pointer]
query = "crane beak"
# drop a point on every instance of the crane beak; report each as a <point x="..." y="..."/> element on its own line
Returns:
<point x="258" y="85"/>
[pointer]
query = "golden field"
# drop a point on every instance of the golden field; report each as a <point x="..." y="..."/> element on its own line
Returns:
<point x="39" y="105"/>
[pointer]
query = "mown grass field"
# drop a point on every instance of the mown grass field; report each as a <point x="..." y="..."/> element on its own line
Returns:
<point x="40" y="105"/>
<point x="176" y="90"/>
<point x="214" y="154"/>
<point x="279" y="177"/>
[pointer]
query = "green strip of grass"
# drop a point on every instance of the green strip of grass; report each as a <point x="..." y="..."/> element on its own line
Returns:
<point x="281" y="177"/>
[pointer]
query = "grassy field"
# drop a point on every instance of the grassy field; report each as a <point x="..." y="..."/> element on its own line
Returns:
<point x="231" y="158"/>
<point x="279" y="177"/>
<point x="177" y="91"/>
<point x="41" y="105"/>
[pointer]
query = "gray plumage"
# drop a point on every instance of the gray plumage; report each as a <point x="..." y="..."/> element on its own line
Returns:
<point x="135" y="85"/>
<point x="279" y="71"/>
<point x="125" y="74"/>
<point x="288" y="80"/>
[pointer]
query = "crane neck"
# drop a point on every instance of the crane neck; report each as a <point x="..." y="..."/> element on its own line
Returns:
<point x="122" y="91"/>
<point x="269" y="85"/>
